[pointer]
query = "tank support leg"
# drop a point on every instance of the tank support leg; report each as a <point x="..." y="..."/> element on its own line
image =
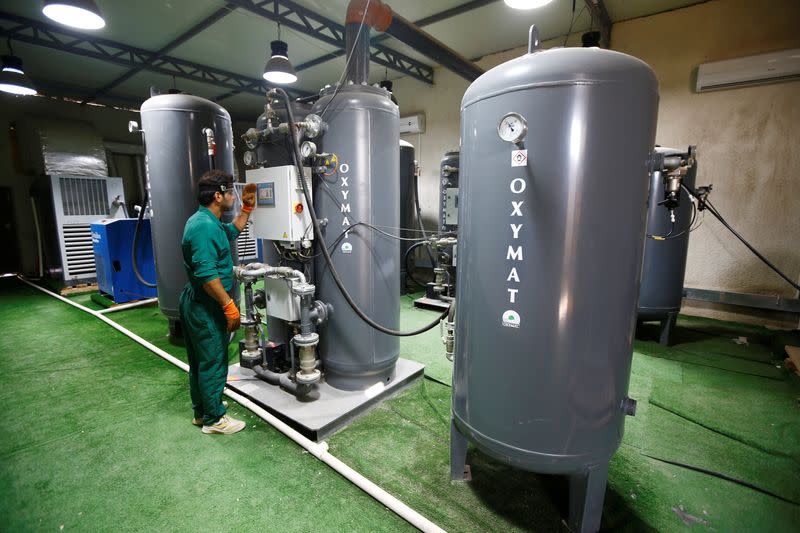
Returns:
<point x="667" y="324"/>
<point x="458" y="453"/>
<point x="587" y="491"/>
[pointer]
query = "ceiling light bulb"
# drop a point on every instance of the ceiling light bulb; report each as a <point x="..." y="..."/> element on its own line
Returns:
<point x="13" y="79"/>
<point x="81" y="14"/>
<point x="278" y="69"/>
<point x="526" y="4"/>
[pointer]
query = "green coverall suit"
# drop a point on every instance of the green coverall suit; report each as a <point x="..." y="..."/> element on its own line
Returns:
<point x="206" y="256"/>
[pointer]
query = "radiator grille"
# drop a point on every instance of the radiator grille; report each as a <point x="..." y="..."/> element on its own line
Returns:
<point x="84" y="196"/>
<point x="246" y="244"/>
<point x="78" y="249"/>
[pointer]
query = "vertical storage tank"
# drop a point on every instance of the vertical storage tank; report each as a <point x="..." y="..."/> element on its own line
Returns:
<point x="555" y="152"/>
<point x="176" y="156"/>
<point x="665" y="260"/>
<point x="364" y="132"/>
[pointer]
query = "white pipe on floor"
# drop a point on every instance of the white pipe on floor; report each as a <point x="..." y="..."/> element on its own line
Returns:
<point x="122" y="307"/>
<point x="318" y="450"/>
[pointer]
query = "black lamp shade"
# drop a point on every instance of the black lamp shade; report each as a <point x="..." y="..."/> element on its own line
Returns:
<point x="278" y="69"/>
<point x="13" y="79"/>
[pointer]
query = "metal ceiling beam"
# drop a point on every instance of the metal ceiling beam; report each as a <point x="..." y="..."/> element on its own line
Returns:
<point x="598" y="10"/>
<point x="310" y="23"/>
<point x="38" y="33"/>
<point x="182" y="38"/>
<point x="433" y="19"/>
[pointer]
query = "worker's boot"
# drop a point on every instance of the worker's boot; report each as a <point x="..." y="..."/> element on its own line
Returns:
<point x="225" y="426"/>
<point x="198" y="420"/>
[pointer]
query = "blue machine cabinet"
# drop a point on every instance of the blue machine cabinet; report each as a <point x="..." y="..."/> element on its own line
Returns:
<point x="112" y="240"/>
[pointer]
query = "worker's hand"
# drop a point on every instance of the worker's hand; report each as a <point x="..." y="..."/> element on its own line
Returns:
<point x="232" y="316"/>
<point x="249" y="197"/>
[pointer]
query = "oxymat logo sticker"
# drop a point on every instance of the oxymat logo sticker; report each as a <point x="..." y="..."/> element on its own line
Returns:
<point x="511" y="319"/>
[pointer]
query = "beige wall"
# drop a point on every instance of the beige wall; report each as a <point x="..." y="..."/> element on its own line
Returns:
<point x="747" y="138"/>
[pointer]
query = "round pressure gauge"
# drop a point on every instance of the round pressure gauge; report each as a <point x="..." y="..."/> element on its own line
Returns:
<point x="249" y="158"/>
<point x="512" y="127"/>
<point x="308" y="149"/>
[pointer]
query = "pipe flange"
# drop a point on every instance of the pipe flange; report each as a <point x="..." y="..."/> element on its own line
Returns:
<point x="303" y="289"/>
<point x="305" y="340"/>
<point x="306" y="379"/>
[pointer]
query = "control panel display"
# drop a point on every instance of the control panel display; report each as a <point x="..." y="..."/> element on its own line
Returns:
<point x="266" y="194"/>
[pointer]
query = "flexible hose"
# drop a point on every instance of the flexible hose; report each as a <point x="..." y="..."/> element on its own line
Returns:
<point x="318" y="450"/>
<point x="324" y="249"/>
<point x="419" y="218"/>
<point x="713" y="211"/>
<point x="406" y="257"/>
<point x="133" y="246"/>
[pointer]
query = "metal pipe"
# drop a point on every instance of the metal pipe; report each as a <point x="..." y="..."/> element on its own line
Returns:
<point x="357" y="44"/>
<point x="318" y="450"/>
<point x="282" y="380"/>
<point x="131" y="305"/>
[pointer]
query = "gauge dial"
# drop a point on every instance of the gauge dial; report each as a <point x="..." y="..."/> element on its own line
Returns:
<point x="249" y="158"/>
<point x="512" y="128"/>
<point x="308" y="149"/>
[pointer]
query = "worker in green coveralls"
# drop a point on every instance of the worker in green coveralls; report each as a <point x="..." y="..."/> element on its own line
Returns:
<point x="207" y="312"/>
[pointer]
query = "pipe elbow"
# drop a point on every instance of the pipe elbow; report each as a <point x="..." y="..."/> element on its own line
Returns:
<point x="378" y="15"/>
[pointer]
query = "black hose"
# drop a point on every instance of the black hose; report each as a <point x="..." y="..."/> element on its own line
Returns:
<point x="419" y="218"/>
<point x="133" y="245"/>
<point x="406" y="257"/>
<point x="321" y="239"/>
<point x="726" y="477"/>
<point x="713" y="210"/>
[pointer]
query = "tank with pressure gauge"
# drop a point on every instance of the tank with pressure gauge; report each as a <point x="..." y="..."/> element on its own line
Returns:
<point x="553" y="193"/>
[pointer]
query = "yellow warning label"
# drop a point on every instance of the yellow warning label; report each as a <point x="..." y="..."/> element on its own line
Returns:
<point x="285" y="235"/>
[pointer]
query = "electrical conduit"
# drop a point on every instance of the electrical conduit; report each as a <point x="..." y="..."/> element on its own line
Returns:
<point x="318" y="450"/>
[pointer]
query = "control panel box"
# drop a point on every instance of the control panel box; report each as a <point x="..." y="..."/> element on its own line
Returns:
<point x="281" y="303"/>
<point x="451" y="206"/>
<point x="280" y="213"/>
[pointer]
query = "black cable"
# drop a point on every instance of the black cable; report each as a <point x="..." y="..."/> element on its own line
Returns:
<point x="726" y="477"/>
<point x="419" y="217"/>
<point x="713" y="210"/>
<point x="406" y="257"/>
<point x="318" y="232"/>
<point x="133" y="245"/>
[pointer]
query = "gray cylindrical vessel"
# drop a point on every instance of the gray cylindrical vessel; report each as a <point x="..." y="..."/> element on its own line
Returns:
<point x="664" y="264"/>
<point x="364" y="133"/>
<point x="448" y="180"/>
<point x="408" y="211"/>
<point x="176" y="157"/>
<point x="550" y="254"/>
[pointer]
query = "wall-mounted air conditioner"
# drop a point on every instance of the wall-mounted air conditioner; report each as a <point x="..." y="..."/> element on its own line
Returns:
<point x="412" y="124"/>
<point x="752" y="70"/>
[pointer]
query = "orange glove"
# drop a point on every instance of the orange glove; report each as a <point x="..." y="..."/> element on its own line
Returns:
<point x="232" y="315"/>
<point x="249" y="197"/>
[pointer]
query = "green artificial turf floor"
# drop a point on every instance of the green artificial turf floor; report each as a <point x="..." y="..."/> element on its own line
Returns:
<point x="98" y="438"/>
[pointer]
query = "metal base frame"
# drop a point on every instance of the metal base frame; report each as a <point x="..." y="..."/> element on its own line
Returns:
<point x="326" y="409"/>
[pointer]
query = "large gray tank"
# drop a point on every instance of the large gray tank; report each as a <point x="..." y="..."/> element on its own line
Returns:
<point x="364" y="132"/>
<point x="176" y="157"/>
<point x="550" y="253"/>
<point x="408" y="210"/>
<point x="664" y="264"/>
